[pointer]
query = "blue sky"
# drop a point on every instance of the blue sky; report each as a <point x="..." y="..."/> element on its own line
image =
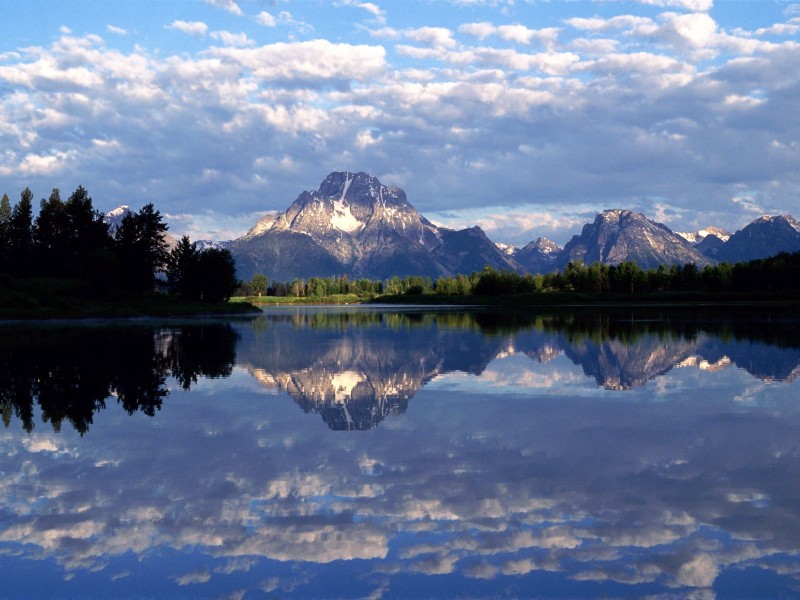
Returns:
<point x="524" y="117"/>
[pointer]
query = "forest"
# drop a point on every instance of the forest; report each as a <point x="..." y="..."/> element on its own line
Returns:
<point x="69" y="240"/>
<point x="776" y="275"/>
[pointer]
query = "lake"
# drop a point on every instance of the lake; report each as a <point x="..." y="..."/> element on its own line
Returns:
<point x="403" y="453"/>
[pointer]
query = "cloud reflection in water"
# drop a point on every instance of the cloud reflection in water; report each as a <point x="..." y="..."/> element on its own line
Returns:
<point x="511" y="468"/>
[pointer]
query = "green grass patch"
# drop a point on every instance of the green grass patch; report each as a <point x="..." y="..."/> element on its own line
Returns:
<point x="291" y="300"/>
<point x="42" y="298"/>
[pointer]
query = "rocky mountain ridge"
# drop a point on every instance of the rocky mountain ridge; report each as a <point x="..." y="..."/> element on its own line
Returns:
<point x="353" y="225"/>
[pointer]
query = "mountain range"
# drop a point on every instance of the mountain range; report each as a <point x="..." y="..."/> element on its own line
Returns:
<point x="354" y="225"/>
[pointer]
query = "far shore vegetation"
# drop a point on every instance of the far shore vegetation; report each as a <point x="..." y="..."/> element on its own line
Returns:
<point x="67" y="263"/>
<point x="775" y="279"/>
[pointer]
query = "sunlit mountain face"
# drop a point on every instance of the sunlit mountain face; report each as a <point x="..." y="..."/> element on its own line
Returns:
<point x="363" y="452"/>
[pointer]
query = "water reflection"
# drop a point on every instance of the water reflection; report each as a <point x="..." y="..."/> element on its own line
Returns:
<point x="518" y="470"/>
<point x="72" y="372"/>
<point x="355" y="369"/>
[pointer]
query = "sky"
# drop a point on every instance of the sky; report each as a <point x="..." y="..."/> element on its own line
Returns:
<point x="526" y="117"/>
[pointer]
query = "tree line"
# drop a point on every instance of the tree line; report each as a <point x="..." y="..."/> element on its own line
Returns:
<point x="779" y="273"/>
<point x="70" y="239"/>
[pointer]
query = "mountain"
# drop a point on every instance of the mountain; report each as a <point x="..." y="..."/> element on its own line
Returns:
<point x="764" y="237"/>
<point x="353" y="225"/>
<point x="696" y="237"/>
<point x="618" y="236"/>
<point x="507" y="249"/>
<point x="711" y="246"/>
<point x="538" y="256"/>
<point x="114" y="217"/>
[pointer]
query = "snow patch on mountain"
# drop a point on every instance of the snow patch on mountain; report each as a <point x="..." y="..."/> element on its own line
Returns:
<point x="342" y="217"/>
<point x="507" y="249"/>
<point x="695" y="237"/>
<point x="120" y="211"/>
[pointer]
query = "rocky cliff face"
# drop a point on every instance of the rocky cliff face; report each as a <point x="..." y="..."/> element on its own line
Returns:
<point x="539" y="256"/>
<point x="355" y="225"/>
<point x="762" y="238"/>
<point x="618" y="236"/>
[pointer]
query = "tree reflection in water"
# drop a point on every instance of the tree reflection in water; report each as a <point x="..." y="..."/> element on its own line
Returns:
<point x="355" y="369"/>
<point x="71" y="373"/>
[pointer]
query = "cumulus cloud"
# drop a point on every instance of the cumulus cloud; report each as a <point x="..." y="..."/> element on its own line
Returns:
<point x="237" y="40"/>
<point x="495" y="111"/>
<point x="690" y="5"/>
<point x="227" y="5"/>
<point x="197" y="28"/>
<point x="436" y="37"/>
<point x="266" y="19"/>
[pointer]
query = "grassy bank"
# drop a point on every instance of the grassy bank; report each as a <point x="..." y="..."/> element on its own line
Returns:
<point x="303" y="300"/>
<point x="791" y="299"/>
<point x="42" y="298"/>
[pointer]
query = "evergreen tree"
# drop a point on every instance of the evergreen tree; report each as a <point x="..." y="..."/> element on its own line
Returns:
<point x="181" y="264"/>
<point x="141" y="248"/>
<point x="50" y="236"/>
<point x="20" y="235"/>
<point x="5" y="225"/>
<point x="216" y="271"/>
<point x="87" y="238"/>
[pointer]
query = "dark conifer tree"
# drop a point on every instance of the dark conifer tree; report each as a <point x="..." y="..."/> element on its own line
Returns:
<point x="181" y="264"/>
<point x="5" y="225"/>
<point x="87" y="239"/>
<point x="20" y="236"/>
<point x="141" y="248"/>
<point x="50" y="236"/>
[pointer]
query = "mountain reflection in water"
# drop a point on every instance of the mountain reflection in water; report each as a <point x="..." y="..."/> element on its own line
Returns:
<point x="356" y="368"/>
<point x="575" y="454"/>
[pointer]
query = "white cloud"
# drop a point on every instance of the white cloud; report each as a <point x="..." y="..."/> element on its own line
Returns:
<point x="698" y="572"/>
<point x="376" y="11"/>
<point x="697" y="30"/>
<point x="266" y="19"/>
<point x="690" y="5"/>
<point x="480" y="30"/>
<point x="116" y="30"/>
<point x="193" y="577"/>
<point x="621" y="22"/>
<point x="237" y="40"/>
<point x="196" y="28"/>
<point x="227" y="5"/>
<point x="500" y="113"/>
<point x="316" y="59"/>
<point x="436" y="37"/>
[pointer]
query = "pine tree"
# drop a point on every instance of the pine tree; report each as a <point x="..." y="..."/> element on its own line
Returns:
<point x="141" y="248"/>
<point x="20" y="235"/>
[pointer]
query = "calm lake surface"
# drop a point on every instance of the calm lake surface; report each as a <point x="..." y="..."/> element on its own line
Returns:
<point x="396" y="453"/>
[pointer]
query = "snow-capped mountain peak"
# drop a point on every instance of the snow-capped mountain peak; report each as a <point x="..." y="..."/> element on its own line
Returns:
<point x="695" y="237"/>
